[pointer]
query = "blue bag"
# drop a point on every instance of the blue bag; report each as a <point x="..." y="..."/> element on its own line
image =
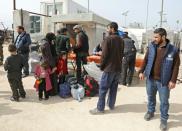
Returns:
<point x="64" y="90"/>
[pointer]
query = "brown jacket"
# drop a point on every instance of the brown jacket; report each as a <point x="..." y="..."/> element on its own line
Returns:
<point x="112" y="54"/>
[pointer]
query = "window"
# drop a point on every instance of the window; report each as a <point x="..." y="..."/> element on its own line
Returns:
<point x="59" y="9"/>
<point x="50" y="10"/>
<point x="35" y="24"/>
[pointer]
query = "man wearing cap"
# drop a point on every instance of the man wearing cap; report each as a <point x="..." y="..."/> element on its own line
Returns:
<point x="81" y="49"/>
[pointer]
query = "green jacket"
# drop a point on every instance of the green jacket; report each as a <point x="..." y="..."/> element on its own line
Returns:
<point x="62" y="44"/>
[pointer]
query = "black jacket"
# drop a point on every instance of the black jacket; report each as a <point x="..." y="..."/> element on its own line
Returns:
<point x="129" y="47"/>
<point x="82" y="45"/>
<point x="13" y="65"/>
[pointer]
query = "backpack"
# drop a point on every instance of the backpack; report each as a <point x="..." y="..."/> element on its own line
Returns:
<point x="77" y="92"/>
<point x="64" y="90"/>
<point x="91" y="86"/>
<point x="71" y="79"/>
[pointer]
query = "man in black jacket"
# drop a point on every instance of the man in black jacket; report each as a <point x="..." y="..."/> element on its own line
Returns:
<point x="62" y="41"/>
<point x="112" y="53"/>
<point x="81" y="49"/>
<point x="128" y="62"/>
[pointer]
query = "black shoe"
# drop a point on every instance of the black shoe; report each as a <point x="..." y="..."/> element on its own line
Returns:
<point x="148" y="116"/>
<point x="14" y="99"/>
<point x="163" y="125"/>
<point x="25" y="75"/>
<point x="46" y="98"/>
<point x="40" y="99"/>
<point x="23" y="97"/>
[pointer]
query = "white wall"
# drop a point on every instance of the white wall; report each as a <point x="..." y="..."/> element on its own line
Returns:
<point x="69" y="6"/>
<point x="17" y="20"/>
<point x="75" y="7"/>
<point x="136" y="35"/>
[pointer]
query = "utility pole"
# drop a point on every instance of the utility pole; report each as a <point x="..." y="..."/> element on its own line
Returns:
<point x="88" y="6"/>
<point x="161" y="13"/>
<point x="147" y="16"/>
<point x="14" y="4"/>
<point x="146" y="26"/>
<point x="54" y="8"/>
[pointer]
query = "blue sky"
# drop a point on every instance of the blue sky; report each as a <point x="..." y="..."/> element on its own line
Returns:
<point x="110" y="9"/>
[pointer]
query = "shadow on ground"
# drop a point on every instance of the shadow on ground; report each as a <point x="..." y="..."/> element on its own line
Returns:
<point x="176" y="120"/>
<point x="5" y="109"/>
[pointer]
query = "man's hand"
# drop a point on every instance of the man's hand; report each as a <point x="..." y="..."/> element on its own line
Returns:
<point x="141" y="76"/>
<point x="171" y="85"/>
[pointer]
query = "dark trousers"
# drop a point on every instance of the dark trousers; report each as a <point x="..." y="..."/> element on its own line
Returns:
<point x="42" y="89"/>
<point x="17" y="87"/>
<point x="109" y="81"/>
<point x="62" y="79"/>
<point x="128" y="69"/>
<point x="80" y="60"/>
<point x="26" y="66"/>
<point x="152" y="87"/>
<point x="54" y="83"/>
<point x="1" y="53"/>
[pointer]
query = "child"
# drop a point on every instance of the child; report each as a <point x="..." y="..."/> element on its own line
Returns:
<point x="13" y="65"/>
<point x="62" y="69"/>
<point x="43" y="82"/>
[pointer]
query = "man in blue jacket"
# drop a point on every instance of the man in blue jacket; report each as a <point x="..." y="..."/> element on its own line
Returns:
<point x="22" y="44"/>
<point x="160" y="67"/>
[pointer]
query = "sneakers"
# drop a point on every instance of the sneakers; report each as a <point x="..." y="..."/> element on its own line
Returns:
<point x="96" y="112"/>
<point x="47" y="98"/>
<point x="163" y="125"/>
<point x="148" y="116"/>
<point x="14" y="99"/>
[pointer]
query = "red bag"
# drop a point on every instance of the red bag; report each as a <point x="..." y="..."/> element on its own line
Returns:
<point x="91" y="86"/>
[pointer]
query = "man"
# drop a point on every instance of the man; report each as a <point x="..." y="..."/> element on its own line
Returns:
<point x="161" y="66"/>
<point x="22" y="44"/>
<point x="62" y="41"/>
<point x="128" y="62"/>
<point x="81" y="49"/>
<point x="1" y="46"/>
<point x="112" y="53"/>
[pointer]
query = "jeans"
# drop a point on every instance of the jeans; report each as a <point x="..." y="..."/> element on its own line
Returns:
<point x="109" y="81"/>
<point x="152" y="87"/>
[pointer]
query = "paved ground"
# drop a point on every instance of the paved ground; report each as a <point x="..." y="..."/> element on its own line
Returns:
<point x="69" y="115"/>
